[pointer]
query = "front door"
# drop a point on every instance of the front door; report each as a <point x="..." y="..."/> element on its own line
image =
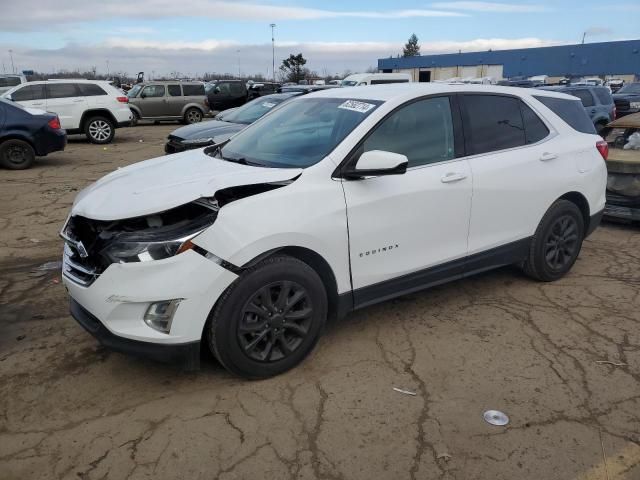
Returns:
<point x="66" y="100"/>
<point x="32" y="96"/>
<point x="407" y="231"/>
<point x="153" y="102"/>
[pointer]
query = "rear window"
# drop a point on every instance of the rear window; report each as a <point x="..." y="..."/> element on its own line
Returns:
<point x="90" y="90"/>
<point x="604" y="96"/>
<point x="570" y="111"/>
<point x="9" y="81"/>
<point x="385" y="81"/>
<point x="584" y="95"/>
<point x="193" y="90"/>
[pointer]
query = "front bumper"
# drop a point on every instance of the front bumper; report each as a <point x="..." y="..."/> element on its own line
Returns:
<point x="119" y="297"/>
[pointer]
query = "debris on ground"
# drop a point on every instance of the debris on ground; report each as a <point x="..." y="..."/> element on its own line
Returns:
<point x="608" y="362"/>
<point x="406" y="392"/>
<point x="496" y="417"/>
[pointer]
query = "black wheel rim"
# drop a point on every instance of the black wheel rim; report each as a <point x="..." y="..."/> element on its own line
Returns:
<point x="275" y="321"/>
<point x="16" y="154"/>
<point x="562" y="242"/>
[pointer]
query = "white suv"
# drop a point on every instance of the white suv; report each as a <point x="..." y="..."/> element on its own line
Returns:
<point x="95" y="108"/>
<point x="332" y="202"/>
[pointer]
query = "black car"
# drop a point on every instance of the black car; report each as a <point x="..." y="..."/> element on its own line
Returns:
<point x="223" y="94"/>
<point x="263" y="88"/>
<point x="25" y="133"/>
<point x="224" y="125"/>
<point x="520" y="83"/>
<point x="627" y="99"/>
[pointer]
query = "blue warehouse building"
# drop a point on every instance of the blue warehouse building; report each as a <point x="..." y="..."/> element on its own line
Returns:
<point x="606" y="59"/>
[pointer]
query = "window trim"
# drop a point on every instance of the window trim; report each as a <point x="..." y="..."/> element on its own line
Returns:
<point x="552" y="131"/>
<point x="458" y="137"/>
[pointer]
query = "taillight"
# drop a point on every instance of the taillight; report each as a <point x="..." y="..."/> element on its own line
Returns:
<point x="206" y="102"/>
<point x="54" y="123"/>
<point x="123" y="99"/>
<point x="603" y="148"/>
<point x="614" y="113"/>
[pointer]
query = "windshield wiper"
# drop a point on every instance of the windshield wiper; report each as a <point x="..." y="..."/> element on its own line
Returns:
<point x="213" y="150"/>
<point x="240" y="160"/>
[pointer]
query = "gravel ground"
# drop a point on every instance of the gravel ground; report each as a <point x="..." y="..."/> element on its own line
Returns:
<point x="71" y="409"/>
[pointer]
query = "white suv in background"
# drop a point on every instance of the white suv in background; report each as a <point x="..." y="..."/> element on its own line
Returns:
<point x="93" y="107"/>
<point x="334" y="201"/>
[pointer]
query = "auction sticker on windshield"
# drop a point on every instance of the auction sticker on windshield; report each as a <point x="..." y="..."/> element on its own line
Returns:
<point x="356" y="106"/>
<point x="268" y="105"/>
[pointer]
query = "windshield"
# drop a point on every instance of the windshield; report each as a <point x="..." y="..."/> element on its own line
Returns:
<point x="349" y="83"/>
<point x="300" y="133"/>
<point x="630" y="88"/>
<point x="253" y="110"/>
<point x="134" y="91"/>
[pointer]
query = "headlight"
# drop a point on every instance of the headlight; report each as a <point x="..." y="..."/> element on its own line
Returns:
<point x="126" y="251"/>
<point x="198" y="141"/>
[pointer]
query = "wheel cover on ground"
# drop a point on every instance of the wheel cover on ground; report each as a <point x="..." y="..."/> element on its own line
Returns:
<point x="561" y="242"/>
<point x="275" y="321"/>
<point x="100" y="130"/>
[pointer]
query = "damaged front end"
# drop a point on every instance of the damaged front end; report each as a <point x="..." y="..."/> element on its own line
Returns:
<point x="92" y="245"/>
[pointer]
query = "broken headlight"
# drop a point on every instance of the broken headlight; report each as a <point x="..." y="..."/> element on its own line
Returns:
<point x="125" y="251"/>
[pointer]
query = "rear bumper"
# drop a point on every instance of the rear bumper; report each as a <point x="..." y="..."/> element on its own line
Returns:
<point x="50" y="141"/>
<point x="187" y="354"/>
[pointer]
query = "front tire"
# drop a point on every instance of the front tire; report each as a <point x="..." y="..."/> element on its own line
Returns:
<point x="16" y="154"/>
<point x="269" y="319"/>
<point x="99" y="130"/>
<point x="193" y="115"/>
<point x="557" y="242"/>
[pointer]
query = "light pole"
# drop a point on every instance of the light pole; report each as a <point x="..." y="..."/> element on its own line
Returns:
<point x="273" y="51"/>
<point x="238" y="52"/>
<point x="13" y="69"/>
<point x="107" y="69"/>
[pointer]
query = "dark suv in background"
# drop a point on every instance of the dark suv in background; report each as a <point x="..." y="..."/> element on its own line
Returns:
<point x="223" y="94"/>
<point x="597" y="102"/>
<point x="627" y="99"/>
<point x="263" y="88"/>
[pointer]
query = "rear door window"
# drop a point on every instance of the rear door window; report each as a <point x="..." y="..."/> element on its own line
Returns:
<point x="153" y="91"/>
<point x="193" y="90"/>
<point x="30" y="92"/>
<point x="62" y="90"/>
<point x="584" y="95"/>
<point x="236" y="89"/>
<point x="604" y="96"/>
<point x="571" y="111"/>
<point x="90" y="89"/>
<point x="174" y="90"/>
<point x="491" y="123"/>
<point x="534" y="128"/>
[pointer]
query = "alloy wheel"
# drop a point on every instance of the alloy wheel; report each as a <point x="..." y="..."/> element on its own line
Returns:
<point x="561" y="242"/>
<point x="275" y="321"/>
<point x="193" y="116"/>
<point x="99" y="130"/>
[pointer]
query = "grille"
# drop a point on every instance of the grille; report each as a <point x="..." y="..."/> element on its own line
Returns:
<point x="78" y="264"/>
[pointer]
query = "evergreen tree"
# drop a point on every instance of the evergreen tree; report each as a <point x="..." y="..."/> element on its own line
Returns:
<point x="411" y="48"/>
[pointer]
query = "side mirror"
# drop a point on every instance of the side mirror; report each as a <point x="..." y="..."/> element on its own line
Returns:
<point x="216" y="90"/>
<point x="143" y="95"/>
<point x="376" y="163"/>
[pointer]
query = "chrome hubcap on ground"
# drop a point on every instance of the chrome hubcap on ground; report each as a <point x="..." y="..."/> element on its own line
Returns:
<point x="100" y="130"/>
<point x="275" y="321"/>
<point x="16" y="154"/>
<point x="193" y="116"/>
<point x="561" y="243"/>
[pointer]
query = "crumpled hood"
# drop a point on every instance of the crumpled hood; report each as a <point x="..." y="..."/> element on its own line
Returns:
<point x="166" y="182"/>
<point x="210" y="129"/>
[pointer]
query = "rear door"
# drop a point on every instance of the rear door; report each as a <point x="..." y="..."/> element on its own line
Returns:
<point x="66" y="100"/>
<point x="238" y="93"/>
<point x="514" y="161"/>
<point x="175" y="100"/>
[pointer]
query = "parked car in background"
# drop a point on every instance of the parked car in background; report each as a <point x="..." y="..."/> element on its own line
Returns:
<point x="614" y="84"/>
<point x="520" y="83"/>
<point x="359" y="79"/>
<point x="92" y="107"/>
<point x="168" y="100"/>
<point x="225" y="94"/>
<point x="8" y="81"/>
<point x="26" y="133"/>
<point x="224" y="125"/>
<point x="331" y="202"/>
<point x="264" y="88"/>
<point x="627" y="99"/>
<point x="597" y="102"/>
<point x="306" y="88"/>
<point x="335" y="82"/>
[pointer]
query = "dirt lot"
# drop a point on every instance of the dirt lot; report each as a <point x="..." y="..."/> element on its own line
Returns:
<point x="70" y="409"/>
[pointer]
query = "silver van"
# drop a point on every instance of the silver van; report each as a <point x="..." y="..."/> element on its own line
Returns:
<point x="168" y="100"/>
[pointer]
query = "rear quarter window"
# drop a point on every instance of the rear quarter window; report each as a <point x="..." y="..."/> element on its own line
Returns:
<point x="193" y="90"/>
<point x="90" y="90"/>
<point x="584" y="95"/>
<point x="571" y="111"/>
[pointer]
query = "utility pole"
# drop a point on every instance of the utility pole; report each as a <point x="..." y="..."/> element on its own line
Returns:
<point x="273" y="52"/>
<point x="583" y="35"/>
<point x="238" y="52"/>
<point x="107" y="69"/>
<point x="13" y="68"/>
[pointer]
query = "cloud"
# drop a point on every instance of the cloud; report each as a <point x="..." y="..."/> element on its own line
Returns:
<point x="490" y="7"/>
<point x="221" y="56"/>
<point x="74" y="11"/>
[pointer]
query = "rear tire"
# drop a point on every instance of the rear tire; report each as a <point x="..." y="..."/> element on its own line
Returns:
<point x="556" y="244"/>
<point x="135" y="118"/>
<point x="269" y="319"/>
<point x="99" y="130"/>
<point x="193" y="115"/>
<point x="16" y="154"/>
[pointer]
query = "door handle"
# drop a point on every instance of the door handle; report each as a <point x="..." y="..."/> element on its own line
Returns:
<point x="80" y="100"/>
<point x="37" y="104"/>
<point x="546" y="156"/>
<point x="453" y="177"/>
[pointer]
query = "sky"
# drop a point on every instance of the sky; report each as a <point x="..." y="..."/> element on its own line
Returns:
<point x="197" y="36"/>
